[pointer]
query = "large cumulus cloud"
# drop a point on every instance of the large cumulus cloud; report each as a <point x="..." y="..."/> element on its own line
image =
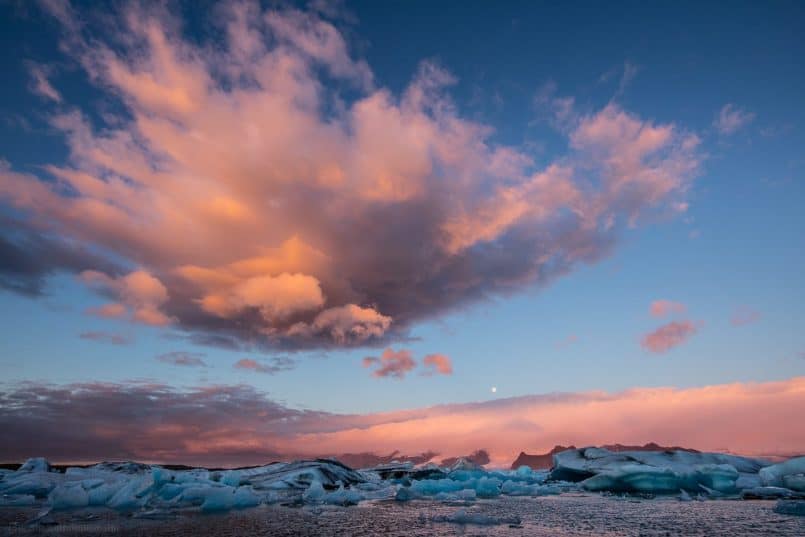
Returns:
<point x="279" y="196"/>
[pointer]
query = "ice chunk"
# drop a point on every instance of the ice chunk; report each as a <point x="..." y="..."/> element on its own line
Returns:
<point x="133" y="494"/>
<point x="405" y="494"/>
<point x="17" y="500"/>
<point x="488" y="487"/>
<point x="314" y="493"/>
<point x="634" y="478"/>
<point x="463" y="517"/>
<point x="231" y="478"/>
<point x="34" y="482"/>
<point x="766" y="493"/>
<point x="299" y="475"/>
<point x="430" y="487"/>
<point x="524" y="471"/>
<point x="663" y="472"/>
<point x="773" y="475"/>
<point x="343" y="496"/>
<point x="720" y="477"/>
<point x="218" y="498"/>
<point x="68" y="496"/>
<point x="794" y="482"/>
<point x="245" y="497"/>
<point x="514" y="488"/>
<point x="101" y="494"/>
<point x="37" y="464"/>
<point x="790" y="507"/>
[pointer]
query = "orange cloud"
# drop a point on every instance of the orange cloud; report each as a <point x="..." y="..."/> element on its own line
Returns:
<point x="139" y="293"/>
<point x="438" y="363"/>
<point x="668" y="336"/>
<point x="391" y="363"/>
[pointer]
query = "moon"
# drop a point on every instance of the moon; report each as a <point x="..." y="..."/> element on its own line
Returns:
<point x="494" y="389"/>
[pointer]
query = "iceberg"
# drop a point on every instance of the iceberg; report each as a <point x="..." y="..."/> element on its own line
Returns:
<point x="152" y="491"/>
<point x="789" y="474"/>
<point x="663" y="472"/>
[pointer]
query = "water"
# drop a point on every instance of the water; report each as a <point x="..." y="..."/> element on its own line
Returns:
<point x="561" y="516"/>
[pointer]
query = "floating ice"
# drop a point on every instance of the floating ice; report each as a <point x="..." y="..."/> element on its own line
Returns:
<point x="767" y="493"/>
<point x="664" y="472"/>
<point x="153" y="491"/>
<point x="790" y="507"/>
<point x="776" y="474"/>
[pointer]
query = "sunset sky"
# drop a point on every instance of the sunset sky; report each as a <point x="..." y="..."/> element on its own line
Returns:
<point x="241" y="231"/>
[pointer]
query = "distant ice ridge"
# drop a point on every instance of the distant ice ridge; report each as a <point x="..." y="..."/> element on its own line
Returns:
<point x="151" y="491"/>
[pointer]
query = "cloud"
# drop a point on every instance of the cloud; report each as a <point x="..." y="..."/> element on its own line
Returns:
<point x="238" y="425"/>
<point x="437" y="364"/>
<point x="140" y="294"/>
<point x="271" y="367"/>
<point x="183" y="358"/>
<point x="391" y="363"/>
<point x="397" y="364"/>
<point x="40" y="83"/>
<point x="284" y="199"/>
<point x="744" y="315"/>
<point x="731" y="119"/>
<point x="668" y="336"/>
<point x="661" y="308"/>
<point x="29" y="256"/>
<point x="106" y="337"/>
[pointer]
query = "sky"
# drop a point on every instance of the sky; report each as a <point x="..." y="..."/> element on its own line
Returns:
<point x="239" y="231"/>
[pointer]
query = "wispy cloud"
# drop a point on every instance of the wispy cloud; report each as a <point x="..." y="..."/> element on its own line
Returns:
<point x="106" y="337"/>
<point x="183" y="358"/>
<point x="668" y="336"/>
<point x="731" y="119"/>
<point x="271" y="366"/>
<point x="40" y="84"/>
<point x="744" y="315"/>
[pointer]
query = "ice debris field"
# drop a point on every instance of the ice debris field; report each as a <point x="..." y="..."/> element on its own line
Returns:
<point x="150" y="491"/>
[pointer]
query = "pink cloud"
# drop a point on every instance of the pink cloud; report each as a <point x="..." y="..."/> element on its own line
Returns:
<point x="236" y="425"/>
<point x="391" y="363"/>
<point x="268" y="221"/>
<point x="661" y="308"/>
<point x="437" y="364"/>
<point x="731" y="119"/>
<point x="668" y="336"/>
<point x="744" y="315"/>
<point x="270" y="367"/>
